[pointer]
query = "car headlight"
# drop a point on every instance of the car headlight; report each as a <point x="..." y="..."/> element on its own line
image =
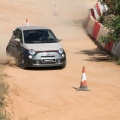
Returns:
<point x="31" y="51"/>
<point x="61" y="50"/>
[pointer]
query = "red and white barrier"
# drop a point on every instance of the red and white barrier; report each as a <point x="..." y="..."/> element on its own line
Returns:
<point x="115" y="48"/>
<point x="102" y="32"/>
<point x="87" y="19"/>
<point x="90" y="25"/>
<point x="109" y="46"/>
<point x="96" y="29"/>
<point x="94" y="13"/>
<point x="118" y="51"/>
<point x="101" y="8"/>
<point x="104" y="7"/>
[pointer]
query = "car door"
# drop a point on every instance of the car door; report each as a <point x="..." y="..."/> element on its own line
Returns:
<point x="10" y="46"/>
<point x="16" y="43"/>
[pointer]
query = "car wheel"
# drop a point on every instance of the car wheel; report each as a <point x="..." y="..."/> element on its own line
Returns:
<point x="62" y="67"/>
<point x="22" y="62"/>
<point x="7" y="51"/>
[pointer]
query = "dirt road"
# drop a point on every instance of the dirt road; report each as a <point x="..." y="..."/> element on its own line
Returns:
<point x="50" y="94"/>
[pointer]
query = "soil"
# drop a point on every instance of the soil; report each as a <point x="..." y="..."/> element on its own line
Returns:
<point x="50" y="94"/>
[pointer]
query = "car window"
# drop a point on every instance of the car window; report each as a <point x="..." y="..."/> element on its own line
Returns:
<point x="18" y="34"/>
<point x="39" y="36"/>
<point x="50" y="35"/>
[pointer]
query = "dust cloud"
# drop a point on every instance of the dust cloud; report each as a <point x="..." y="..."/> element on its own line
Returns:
<point x="65" y="25"/>
<point x="8" y="60"/>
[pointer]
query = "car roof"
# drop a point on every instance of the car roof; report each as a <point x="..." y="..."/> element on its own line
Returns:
<point x="31" y="27"/>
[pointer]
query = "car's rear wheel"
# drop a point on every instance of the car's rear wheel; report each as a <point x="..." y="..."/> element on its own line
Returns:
<point x="7" y="51"/>
<point x="22" y="62"/>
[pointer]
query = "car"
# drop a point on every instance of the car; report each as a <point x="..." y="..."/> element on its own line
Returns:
<point x="36" y="46"/>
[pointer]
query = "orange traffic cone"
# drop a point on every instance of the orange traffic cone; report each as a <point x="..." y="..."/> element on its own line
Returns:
<point x="83" y="83"/>
<point x="55" y="10"/>
<point x="27" y="24"/>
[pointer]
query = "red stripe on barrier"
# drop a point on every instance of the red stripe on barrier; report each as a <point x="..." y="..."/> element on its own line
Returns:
<point x="96" y="30"/>
<point x="93" y="13"/>
<point x="109" y="46"/>
<point x="98" y="9"/>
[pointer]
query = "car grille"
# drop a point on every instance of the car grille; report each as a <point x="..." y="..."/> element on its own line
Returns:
<point x="45" y="61"/>
<point x="46" y="56"/>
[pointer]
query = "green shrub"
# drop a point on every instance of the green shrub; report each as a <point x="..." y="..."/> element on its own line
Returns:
<point x="3" y="92"/>
<point x="114" y="30"/>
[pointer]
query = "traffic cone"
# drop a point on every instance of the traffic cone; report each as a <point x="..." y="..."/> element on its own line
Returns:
<point x="27" y="24"/>
<point x="83" y="83"/>
<point x="55" y="10"/>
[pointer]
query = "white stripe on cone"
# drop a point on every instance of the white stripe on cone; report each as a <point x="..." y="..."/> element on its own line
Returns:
<point x="83" y="84"/>
<point x="83" y="77"/>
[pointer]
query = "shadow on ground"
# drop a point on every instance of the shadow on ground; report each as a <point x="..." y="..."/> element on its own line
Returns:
<point x="96" y="55"/>
<point x="76" y="23"/>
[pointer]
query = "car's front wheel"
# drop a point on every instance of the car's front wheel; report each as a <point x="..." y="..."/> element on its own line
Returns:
<point x="22" y="62"/>
<point x="64" y="65"/>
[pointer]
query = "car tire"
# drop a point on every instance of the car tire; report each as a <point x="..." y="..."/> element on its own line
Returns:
<point x="7" y="51"/>
<point x="22" y="62"/>
<point x="62" y="67"/>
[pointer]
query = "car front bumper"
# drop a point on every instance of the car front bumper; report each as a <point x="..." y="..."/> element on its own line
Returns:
<point x="46" y="63"/>
<point x="46" y="59"/>
<point x="38" y="63"/>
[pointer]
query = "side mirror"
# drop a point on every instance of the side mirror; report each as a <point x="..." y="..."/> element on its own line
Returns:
<point x="14" y="33"/>
<point x="59" y="39"/>
<point x="17" y="39"/>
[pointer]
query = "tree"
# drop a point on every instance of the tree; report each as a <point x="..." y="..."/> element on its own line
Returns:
<point x="114" y="24"/>
<point x="114" y="6"/>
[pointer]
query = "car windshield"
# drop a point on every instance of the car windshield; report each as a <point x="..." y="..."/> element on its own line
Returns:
<point x="39" y="36"/>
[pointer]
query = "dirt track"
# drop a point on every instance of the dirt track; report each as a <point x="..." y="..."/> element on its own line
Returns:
<point x="45" y="94"/>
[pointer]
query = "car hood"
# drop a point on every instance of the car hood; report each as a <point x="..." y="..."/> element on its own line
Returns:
<point x="43" y="47"/>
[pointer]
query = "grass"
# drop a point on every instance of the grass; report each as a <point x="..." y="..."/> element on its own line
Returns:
<point x="24" y="118"/>
<point x="118" y="62"/>
<point x="4" y="87"/>
<point x="115" y="59"/>
<point x="3" y="93"/>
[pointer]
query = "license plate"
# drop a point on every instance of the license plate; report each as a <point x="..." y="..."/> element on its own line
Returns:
<point x="49" y="60"/>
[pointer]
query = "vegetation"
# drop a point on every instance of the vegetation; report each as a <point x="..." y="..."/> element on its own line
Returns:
<point x="112" y="21"/>
<point x="3" y="92"/>
<point x="114" y="6"/>
<point x="115" y="59"/>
